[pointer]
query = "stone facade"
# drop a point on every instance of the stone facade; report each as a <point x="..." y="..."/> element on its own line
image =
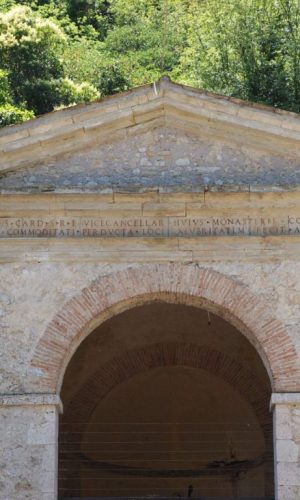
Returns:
<point x="164" y="157"/>
<point x="162" y="194"/>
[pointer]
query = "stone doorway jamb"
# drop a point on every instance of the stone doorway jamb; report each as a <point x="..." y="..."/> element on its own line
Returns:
<point x="30" y="441"/>
<point x="286" y="432"/>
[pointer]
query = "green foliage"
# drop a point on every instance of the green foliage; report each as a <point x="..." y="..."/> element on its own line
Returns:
<point x="5" y="5"/>
<point x="60" y="52"/>
<point x="82" y="60"/>
<point x="31" y="51"/>
<point x="90" y="14"/>
<point x="5" y="92"/>
<point x="86" y="61"/>
<point x="149" y="34"/>
<point x="246" y="48"/>
<point x="112" y="78"/>
<point x="29" y="48"/>
<point x="72" y="93"/>
<point x="11" y="114"/>
<point x="44" y="95"/>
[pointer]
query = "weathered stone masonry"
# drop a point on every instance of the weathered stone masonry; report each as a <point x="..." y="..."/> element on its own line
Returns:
<point x="177" y="196"/>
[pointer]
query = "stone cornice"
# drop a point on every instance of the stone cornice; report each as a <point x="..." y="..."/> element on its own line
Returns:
<point x="133" y="112"/>
<point x="29" y="400"/>
<point x="141" y="250"/>
<point x="152" y="225"/>
<point x="285" y="398"/>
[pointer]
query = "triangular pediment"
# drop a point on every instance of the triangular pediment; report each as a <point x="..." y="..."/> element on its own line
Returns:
<point x="158" y="135"/>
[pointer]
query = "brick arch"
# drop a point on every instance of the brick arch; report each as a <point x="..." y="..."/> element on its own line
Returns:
<point x="175" y="283"/>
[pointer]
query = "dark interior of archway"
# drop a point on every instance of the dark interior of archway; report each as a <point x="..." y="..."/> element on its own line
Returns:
<point x="166" y="400"/>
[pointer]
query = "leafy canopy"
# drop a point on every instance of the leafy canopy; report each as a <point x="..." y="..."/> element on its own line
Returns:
<point x="60" y="52"/>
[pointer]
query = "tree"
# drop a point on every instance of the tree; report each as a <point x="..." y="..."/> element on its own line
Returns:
<point x="148" y="37"/>
<point x="246" y="48"/>
<point x="57" y="52"/>
<point x="91" y="14"/>
<point x="30" y="51"/>
<point x="9" y="113"/>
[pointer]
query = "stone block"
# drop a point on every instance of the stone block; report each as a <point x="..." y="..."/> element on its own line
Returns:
<point x="288" y="493"/>
<point x="149" y="111"/>
<point x="288" y="474"/>
<point x="102" y="209"/>
<point x="148" y="196"/>
<point x="45" y="434"/>
<point x="164" y="209"/>
<point x="283" y="422"/>
<point x="182" y="197"/>
<point x="94" y="112"/>
<point x="117" y="120"/>
<point x="286" y="451"/>
<point x="295" y="416"/>
<point x="30" y="469"/>
<point x="13" y="135"/>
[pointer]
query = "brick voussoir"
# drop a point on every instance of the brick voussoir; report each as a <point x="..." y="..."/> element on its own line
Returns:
<point x="188" y="284"/>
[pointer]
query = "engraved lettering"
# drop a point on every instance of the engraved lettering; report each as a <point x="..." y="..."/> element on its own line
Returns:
<point x="206" y="225"/>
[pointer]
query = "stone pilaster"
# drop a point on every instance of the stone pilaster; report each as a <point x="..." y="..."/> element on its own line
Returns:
<point x="28" y="443"/>
<point x="286" y="414"/>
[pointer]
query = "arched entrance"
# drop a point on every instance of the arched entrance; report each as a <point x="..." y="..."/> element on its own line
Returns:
<point x="166" y="400"/>
<point x="186" y="285"/>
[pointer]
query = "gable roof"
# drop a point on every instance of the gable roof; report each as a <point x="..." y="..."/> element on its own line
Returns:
<point x="158" y="104"/>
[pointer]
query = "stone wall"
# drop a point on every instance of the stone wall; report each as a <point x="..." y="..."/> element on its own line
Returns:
<point x="286" y="445"/>
<point x="163" y="135"/>
<point x="161" y="157"/>
<point x="205" y="170"/>
<point x="28" y="462"/>
<point x="33" y="294"/>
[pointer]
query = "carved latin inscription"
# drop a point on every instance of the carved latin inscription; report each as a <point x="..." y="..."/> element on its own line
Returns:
<point x="103" y="227"/>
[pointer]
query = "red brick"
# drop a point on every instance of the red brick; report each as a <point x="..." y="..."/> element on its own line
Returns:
<point x="176" y="283"/>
